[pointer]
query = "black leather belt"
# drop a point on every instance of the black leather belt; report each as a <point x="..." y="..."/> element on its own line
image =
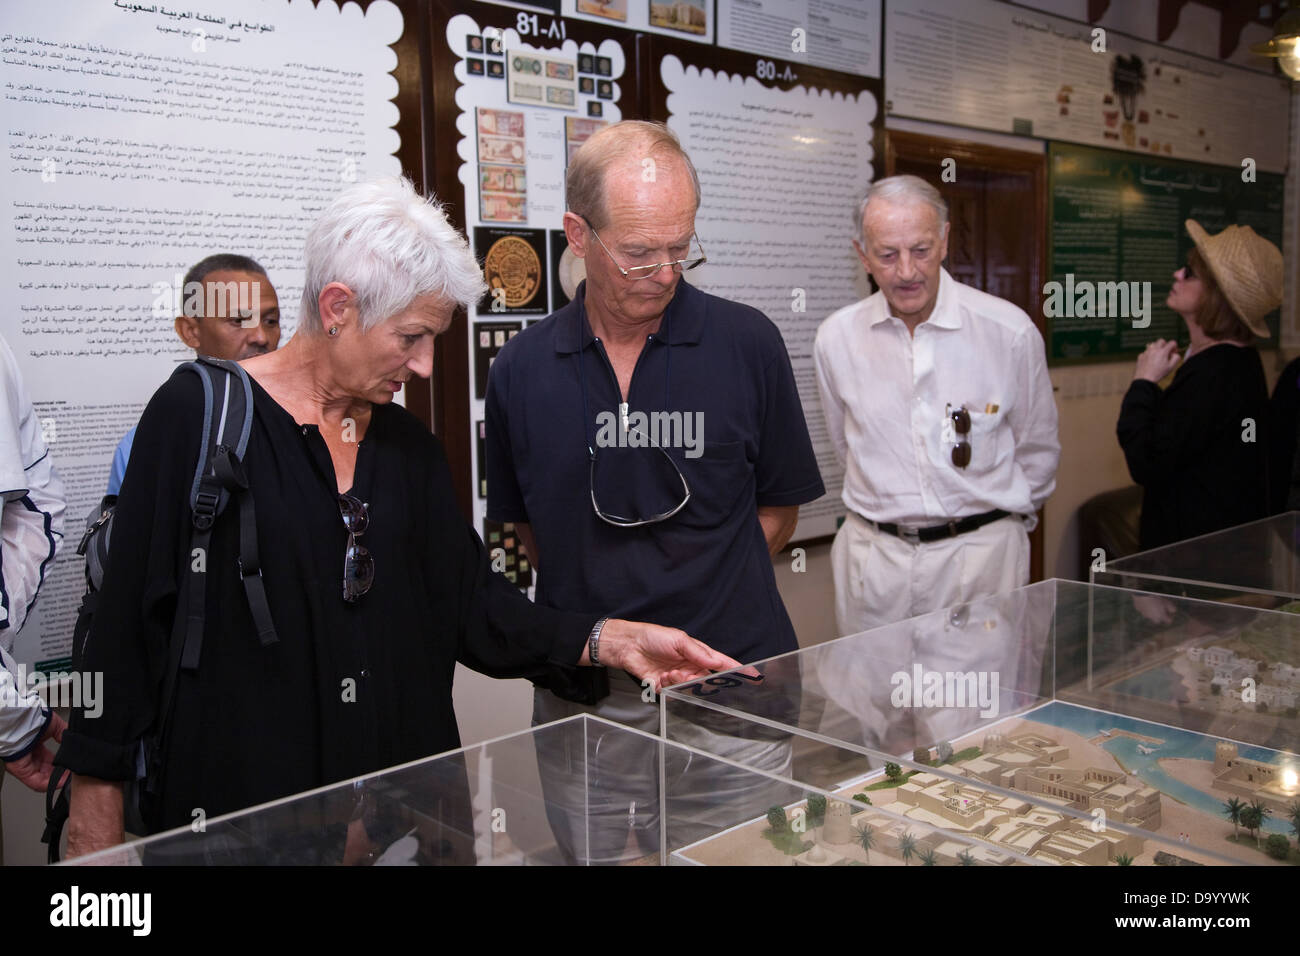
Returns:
<point x="937" y="532"/>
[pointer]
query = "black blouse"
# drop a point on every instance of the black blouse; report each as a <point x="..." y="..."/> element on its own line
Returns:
<point x="349" y="688"/>
<point x="1187" y="445"/>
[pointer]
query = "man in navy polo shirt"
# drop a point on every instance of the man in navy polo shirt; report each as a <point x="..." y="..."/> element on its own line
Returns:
<point x="647" y="439"/>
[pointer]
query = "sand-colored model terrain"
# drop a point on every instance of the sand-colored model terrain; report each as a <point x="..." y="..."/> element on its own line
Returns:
<point x="956" y="815"/>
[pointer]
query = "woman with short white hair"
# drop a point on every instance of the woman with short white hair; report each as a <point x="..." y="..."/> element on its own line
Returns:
<point x="375" y="585"/>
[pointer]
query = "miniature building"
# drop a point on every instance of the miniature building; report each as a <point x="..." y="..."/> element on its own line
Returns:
<point x="820" y="856"/>
<point x="1229" y="669"/>
<point x="837" y="829"/>
<point x="1028" y="763"/>
<point x="1286" y="674"/>
<point x="1233" y="671"/>
<point x="1257" y="779"/>
<point x="1217" y="656"/>
<point x="949" y="853"/>
<point x="1275" y="696"/>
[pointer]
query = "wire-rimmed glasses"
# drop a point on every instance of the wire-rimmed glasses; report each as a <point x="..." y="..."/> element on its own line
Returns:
<point x="636" y="273"/>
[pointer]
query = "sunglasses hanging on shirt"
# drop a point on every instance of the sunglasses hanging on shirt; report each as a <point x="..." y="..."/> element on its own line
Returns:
<point x="960" y="419"/>
<point x="358" y="564"/>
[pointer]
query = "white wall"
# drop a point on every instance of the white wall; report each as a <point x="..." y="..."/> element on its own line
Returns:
<point x="1197" y="30"/>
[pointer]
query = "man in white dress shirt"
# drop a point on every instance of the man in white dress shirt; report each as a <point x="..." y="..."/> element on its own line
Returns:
<point x="32" y="502"/>
<point x="938" y="401"/>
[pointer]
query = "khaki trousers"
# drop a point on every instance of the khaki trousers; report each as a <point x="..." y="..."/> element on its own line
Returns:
<point x="881" y="579"/>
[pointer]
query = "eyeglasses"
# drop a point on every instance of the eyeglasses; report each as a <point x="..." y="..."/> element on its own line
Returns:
<point x="621" y="520"/>
<point x="645" y="272"/>
<point x="961" y="425"/>
<point x="358" y="564"/>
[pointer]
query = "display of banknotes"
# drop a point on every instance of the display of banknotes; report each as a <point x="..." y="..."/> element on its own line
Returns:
<point x="500" y="122"/>
<point x="521" y="92"/>
<point x="503" y="207"/>
<point x="502" y="179"/>
<point x="535" y="79"/>
<point x="498" y="150"/>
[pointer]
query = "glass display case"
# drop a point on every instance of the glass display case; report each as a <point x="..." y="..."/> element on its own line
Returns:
<point x="578" y="791"/>
<point x="1256" y="564"/>
<point x="1060" y="723"/>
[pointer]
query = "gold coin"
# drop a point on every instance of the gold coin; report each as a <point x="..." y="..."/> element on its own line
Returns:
<point x="512" y="264"/>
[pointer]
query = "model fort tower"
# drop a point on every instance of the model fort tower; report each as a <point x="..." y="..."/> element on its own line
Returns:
<point x="1224" y="754"/>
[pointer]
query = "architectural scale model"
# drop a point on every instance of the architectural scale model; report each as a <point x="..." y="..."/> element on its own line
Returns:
<point x="1272" y="784"/>
<point x="1252" y="674"/>
<point x="1069" y="788"/>
<point x="1030" y="763"/>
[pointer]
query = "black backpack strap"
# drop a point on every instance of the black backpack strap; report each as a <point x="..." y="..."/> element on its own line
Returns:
<point x="227" y="417"/>
<point x="57" y="805"/>
<point x="250" y="570"/>
<point x="156" y="745"/>
<point x="230" y="471"/>
<point x="191" y="641"/>
<point x="219" y="474"/>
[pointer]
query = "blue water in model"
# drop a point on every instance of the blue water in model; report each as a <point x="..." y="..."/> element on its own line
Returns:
<point x="1173" y="743"/>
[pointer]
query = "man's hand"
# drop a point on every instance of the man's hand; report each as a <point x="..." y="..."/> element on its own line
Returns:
<point x="34" y="768"/>
<point x="1157" y="360"/>
<point x="1156" y="609"/>
<point x="662" y="655"/>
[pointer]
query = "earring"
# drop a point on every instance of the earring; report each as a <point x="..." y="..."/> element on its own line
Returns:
<point x="334" y="330"/>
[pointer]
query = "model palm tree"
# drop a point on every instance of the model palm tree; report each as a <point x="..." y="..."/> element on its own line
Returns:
<point x="1250" y="821"/>
<point x="1232" y="810"/>
<point x="1294" y="815"/>
<point x="928" y="858"/>
<point x="1259" y="813"/>
<point x="1124" y="860"/>
<point x="965" y="859"/>
<point x="907" y="846"/>
<point x="866" y="839"/>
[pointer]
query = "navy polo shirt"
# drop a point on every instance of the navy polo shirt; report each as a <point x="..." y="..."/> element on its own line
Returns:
<point x="705" y="570"/>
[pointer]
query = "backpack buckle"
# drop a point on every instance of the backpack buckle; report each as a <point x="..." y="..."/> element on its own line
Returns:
<point x="92" y="528"/>
<point x="205" y="509"/>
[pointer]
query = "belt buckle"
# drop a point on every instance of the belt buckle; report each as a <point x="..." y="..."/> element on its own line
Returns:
<point x="912" y="535"/>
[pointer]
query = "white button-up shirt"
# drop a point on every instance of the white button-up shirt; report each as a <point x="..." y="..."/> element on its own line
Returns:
<point x="31" y="525"/>
<point x="887" y="395"/>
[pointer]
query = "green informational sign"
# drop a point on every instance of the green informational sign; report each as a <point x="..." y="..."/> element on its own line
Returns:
<point x="1117" y="225"/>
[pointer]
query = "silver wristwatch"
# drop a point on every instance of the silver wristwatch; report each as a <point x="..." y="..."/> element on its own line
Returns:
<point x="593" y="642"/>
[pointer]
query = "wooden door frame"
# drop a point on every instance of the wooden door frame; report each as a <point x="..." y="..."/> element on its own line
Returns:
<point x="919" y="148"/>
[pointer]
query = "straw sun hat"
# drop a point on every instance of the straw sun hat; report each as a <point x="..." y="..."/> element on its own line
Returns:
<point x="1247" y="268"/>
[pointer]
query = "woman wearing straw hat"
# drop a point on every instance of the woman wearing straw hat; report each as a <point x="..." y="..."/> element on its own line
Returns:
<point x="1197" y="447"/>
